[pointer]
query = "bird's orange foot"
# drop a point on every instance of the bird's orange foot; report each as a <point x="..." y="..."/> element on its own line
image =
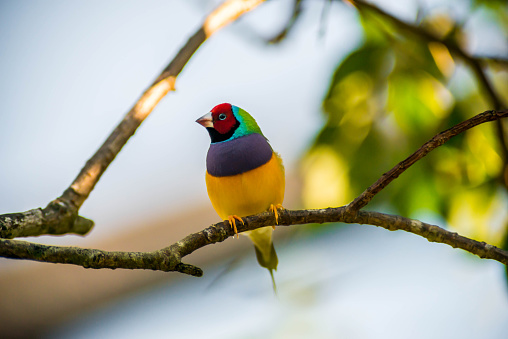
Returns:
<point x="274" y="208"/>
<point x="232" y="222"/>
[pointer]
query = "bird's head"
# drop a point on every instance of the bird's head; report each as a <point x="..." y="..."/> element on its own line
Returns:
<point x="225" y="122"/>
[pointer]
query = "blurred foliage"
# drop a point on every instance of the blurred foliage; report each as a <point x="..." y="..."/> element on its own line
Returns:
<point x="388" y="97"/>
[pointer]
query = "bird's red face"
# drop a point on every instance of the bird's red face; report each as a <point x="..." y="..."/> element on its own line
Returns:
<point x="221" y="122"/>
<point x="223" y="118"/>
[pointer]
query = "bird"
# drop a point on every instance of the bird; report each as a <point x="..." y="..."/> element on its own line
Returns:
<point x="244" y="176"/>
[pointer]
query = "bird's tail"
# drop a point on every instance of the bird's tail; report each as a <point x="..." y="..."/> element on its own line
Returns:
<point x="270" y="264"/>
<point x="265" y="251"/>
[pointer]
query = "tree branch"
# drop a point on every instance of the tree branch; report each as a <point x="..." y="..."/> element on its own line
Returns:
<point x="436" y="141"/>
<point x="93" y="258"/>
<point x="55" y="219"/>
<point x="61" y="215"/>
<point x="169" y="258"/>
<point x="295" y="15"/>
<point x="86" y="180"/>
<point x="473" y="62"/>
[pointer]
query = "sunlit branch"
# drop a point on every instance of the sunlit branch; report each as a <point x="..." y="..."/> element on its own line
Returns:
<point x="84" y="183"/>
<point x="439" y="139"/>
<point x="62" y="213"/>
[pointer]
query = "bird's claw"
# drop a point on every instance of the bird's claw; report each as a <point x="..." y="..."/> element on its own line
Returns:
<point x="232" y="222"/>
<point x="274" y="209"/>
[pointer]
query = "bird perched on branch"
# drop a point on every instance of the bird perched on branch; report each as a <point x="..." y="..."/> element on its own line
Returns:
<point x="244" y="175"/>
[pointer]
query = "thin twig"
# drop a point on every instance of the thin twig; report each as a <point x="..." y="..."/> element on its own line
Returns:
<point x="295" y="15"/>
<point x="473" y="62"/>
<point x="439" y="139"/>
<point x="496" y="60"/>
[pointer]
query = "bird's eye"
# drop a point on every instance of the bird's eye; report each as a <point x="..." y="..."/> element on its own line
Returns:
<point x="222" y="116"/>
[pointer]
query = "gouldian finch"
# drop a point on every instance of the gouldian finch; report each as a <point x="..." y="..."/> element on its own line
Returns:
<point x="244" y="175"/>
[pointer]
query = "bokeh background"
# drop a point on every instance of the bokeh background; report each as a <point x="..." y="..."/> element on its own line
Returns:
<point x="341" y="96"/>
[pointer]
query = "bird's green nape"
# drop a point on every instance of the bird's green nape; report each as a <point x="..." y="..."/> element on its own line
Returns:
<point x="248" y="124"/>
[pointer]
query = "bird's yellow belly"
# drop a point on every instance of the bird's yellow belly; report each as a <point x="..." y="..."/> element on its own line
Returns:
<point x="248" y="193"/>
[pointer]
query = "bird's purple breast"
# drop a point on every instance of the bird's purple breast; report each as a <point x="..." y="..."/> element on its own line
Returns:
<point x="238" y="155"/>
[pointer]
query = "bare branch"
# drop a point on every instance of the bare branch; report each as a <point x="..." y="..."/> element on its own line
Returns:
<point x="473" y="62"/>
<point x="433" y="233"/>
<point x="439" y="139"/>
<point x="499" y="61"/>
<point x="168" y="258"/>
<point x="295" y="15"/>
<point x="94" y="258"/>
<point x="51" y="220"/>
